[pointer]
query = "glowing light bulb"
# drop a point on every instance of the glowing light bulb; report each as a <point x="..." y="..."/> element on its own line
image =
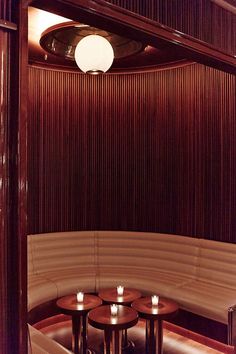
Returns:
<point x="94" y="54"/>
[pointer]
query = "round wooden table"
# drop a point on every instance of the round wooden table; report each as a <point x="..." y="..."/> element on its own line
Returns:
<point x="112" y="326"/>
<point x="78" y="311"/>
<point x="110" y="296"/>
<point x="154" y="316"/>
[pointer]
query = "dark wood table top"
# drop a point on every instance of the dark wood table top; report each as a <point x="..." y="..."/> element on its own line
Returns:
<point x="110" y="295"/>
<point x="165" y="309"/>
<point x="101" y="318"/>
<point x="70" y="306"/>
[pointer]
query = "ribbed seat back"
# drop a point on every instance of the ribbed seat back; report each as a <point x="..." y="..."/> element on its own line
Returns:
<point x="30" y="266"/>
<point x="62" y="250"/>
<point x="217" y="263"/>
<point x="162" y="252"/>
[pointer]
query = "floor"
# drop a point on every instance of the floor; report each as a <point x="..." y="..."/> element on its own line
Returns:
<point x="176" y="339"/>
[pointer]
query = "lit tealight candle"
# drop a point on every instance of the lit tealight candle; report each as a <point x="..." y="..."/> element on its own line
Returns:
<point x="120" y="290"/>
<point x="80" y="296"/>
<point x="114" y="310"/>
<point x="155" y="300"/>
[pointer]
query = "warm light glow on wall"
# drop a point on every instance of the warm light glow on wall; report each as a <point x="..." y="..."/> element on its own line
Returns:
<point x="39" y="21"/>
<point x="94" y="54"/>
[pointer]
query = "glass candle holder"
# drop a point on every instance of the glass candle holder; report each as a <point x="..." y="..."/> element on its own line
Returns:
<point x="120" y="290"/>
<point x="80" y="296"/>
<point x="155" y="300"/>
<point x="114" y="310"/>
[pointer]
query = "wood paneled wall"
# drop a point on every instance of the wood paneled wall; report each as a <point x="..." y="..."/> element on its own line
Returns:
<point x="5" y="10"/>
<point x="4" y="187"/>
<point x="152" y="151"/>
<point x="202" y="19"/>
<point x="13" y="177"/>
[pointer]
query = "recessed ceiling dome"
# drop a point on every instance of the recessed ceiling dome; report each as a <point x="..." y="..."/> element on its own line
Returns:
<point x="63" y="38"/>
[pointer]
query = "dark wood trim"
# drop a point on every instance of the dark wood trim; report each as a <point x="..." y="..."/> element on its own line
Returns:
<point x="121" y="21"/>
<point x="201" y="325"/>
<point x="225" y="5"/>
<point x="22" y="171"/>
<point x="17" y="242"/>
<point x="8" y="25"/>
<point x="4" y="195"/>
<point x="43" y="311"/>
<point x="150" y="69"/>
<point x="199" y="338"/>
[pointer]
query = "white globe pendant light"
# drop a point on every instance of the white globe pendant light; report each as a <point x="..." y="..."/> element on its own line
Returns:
<point x="94" y="54"/>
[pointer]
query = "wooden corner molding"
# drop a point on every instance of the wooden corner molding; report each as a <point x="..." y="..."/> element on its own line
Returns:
<point x="225" y="5"/>
<point x="8" y="25"/>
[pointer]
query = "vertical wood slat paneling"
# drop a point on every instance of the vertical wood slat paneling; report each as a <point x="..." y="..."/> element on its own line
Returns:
<point x="152" y="151"/>
<point x="13" y="185"/>
<point x="13" y="182"/>
<point x="5" y="10"/>
<point x="4" y="187"/>
<point x="201" y="19"/>
<point x="224" y="23"/>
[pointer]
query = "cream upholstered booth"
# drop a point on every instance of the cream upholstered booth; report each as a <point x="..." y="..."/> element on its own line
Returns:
<point x="41" y="344"/>
<point x="199" y="274"/>
<point x="59" y="263"/>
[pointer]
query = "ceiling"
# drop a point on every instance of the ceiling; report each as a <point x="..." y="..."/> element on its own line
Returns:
<point x="147" y="59"/>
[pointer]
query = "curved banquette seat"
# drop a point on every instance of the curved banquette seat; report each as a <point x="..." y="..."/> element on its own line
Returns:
<point x="199" y="274"/>
<point x="58" y="264"/>
<point x="41" y="344"/>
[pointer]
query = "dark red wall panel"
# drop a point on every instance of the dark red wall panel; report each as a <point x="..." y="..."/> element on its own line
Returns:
<point x="13" y="178"/>
<point x="4" y="186"/>
<point x="202" y="19"/>
<point x="152" y="152"/>
<point x="5" y="9"/>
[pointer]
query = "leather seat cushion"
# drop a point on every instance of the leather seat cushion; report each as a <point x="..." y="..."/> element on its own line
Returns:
<point x="217" y="263"/>
<point x="148" y="251"/>
<point x="40" y="290"/>
<point x="149" y="281"/>
<point x="205" y="299"/>
<point x="62" y="250"/>
<point x="69" y="281"/>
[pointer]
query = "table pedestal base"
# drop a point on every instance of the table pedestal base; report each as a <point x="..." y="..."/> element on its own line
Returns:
<point x="79" y="337"/>
<point x="126" y="343"/>
<point x="154" y="337"/>
<point x="113" y="342"/>
<point x="76" y="334"/>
